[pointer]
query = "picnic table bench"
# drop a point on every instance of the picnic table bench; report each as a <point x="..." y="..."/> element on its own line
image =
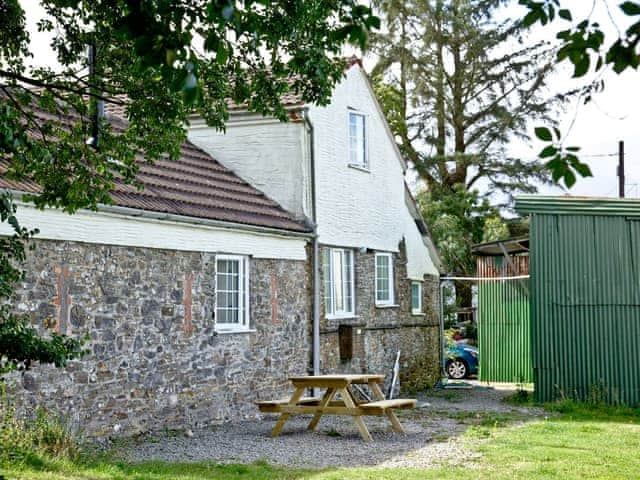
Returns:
<point x="328" y="404"/>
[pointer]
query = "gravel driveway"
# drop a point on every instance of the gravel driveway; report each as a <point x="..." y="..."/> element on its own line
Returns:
<point x="431" y="428"/>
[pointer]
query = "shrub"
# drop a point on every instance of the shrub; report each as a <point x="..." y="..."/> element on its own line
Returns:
<point x="24" y="437"/>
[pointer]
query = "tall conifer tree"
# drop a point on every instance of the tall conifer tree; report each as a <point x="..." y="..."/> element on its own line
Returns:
<point x="458" y="80"/>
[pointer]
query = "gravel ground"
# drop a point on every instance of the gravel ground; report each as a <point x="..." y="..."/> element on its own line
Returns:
<point x="431" y="439"/>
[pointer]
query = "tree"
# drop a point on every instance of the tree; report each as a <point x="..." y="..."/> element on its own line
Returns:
<point x="450" y="71"/>
<point x="457" y="85"/>
<point x="456" y="222"/>
<point x="161" y="61"/>
<point x="586" y="47"/>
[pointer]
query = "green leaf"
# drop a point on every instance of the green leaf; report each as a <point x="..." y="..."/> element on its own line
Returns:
<point x="583" y="169"/>
<point x="581" y="67"/>
<point x="543" y="134"/>
<point x="630" y="8"/>
<point x="532" y="17"/>
<point x="557" y="168"/>
<point x="565" y="14"/>
<point x="569" y="178"/>
<point x="548" y="151"/>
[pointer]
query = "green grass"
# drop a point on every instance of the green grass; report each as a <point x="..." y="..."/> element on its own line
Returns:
<point x="574" y="442"/>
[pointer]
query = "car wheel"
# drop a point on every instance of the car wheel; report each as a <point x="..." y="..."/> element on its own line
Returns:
<point x="457" y="368"/>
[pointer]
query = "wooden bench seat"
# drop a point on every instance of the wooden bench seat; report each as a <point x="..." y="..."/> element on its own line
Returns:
<point x="273" y="406"/>
<point x="381" y="406"/>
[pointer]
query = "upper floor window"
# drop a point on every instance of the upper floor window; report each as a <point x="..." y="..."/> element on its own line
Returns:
<point x="416" y="298"/>
<point x="384" y="279"/>
<point x="337" y="269"/>
<point x="232" y="292"/>
<point x="357" y="140"/>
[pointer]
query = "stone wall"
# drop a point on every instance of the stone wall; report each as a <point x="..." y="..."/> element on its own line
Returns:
<point x="154" y="358"/>
<point x="378" y="333"/>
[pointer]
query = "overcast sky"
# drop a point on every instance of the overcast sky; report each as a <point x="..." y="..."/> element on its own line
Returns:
<point x="613" y="115"/>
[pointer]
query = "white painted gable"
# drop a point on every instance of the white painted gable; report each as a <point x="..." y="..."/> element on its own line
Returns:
<point x="355" y="208"/>
<point x="358" y="208"/>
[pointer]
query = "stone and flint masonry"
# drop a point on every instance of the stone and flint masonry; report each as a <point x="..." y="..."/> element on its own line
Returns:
<point x="269" y="251"/>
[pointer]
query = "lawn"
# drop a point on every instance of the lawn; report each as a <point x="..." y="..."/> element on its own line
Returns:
<point x="574" y="442"/>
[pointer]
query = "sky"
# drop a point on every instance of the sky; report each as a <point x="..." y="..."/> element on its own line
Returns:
<point x="597" y="127"/>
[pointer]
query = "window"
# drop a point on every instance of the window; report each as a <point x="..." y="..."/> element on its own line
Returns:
<point x="416" y="298"/>
<point x="357" y="140"/>
<point x="232" y="292"/>
<point x="337" y="269"/>
<point x="384" y="279"/>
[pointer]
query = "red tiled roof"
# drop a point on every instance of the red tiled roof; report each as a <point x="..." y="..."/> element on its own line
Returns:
<point x="194" y="185"/>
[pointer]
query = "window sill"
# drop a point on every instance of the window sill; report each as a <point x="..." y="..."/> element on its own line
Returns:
<point x="356" y="166"/>
<point x="342" y="317"/>
<point x="418" y="314"/>
<point x="384" y="305"/>
<point x="235" y="330"/>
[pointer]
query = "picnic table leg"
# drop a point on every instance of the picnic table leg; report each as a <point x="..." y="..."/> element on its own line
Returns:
<point x="284" y="416"/>
<point x="328" y="395"/>
<point x="349" y="403"/>
<point x="395" y="423"/>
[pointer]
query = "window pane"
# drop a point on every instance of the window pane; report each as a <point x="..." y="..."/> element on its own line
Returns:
<point x="383" y="278"/>
<point x="357" y="139"/>
<point x="328" y="281"/>
<point x="348" y="284"/>
<point x="338" y="274"/>
<point x="416" y="296"/>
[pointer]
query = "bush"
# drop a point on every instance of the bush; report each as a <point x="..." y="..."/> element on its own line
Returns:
<point x="22" y="438"/>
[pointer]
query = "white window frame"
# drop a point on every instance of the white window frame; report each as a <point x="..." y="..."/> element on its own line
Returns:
<point x="417" y="311"/>
<point x="333" y="313"/>
<point x="390" y="300"/>
<point x="365" y="141"/>
<point x="243" y="284"/>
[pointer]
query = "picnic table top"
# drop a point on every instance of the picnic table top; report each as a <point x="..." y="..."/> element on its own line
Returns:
<point x="331" y="380"/>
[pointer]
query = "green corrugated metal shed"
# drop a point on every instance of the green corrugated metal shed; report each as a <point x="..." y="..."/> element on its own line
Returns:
<point x="585" y="297"/>
<point x="504" y="342"/>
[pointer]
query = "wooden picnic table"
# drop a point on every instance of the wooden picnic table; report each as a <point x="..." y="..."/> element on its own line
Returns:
<point x="328" y="404"/>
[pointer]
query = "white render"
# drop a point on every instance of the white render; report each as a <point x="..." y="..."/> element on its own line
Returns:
<point x="356" y="208"/>
<point x="126" y="230"/>
<point x="247" y="149"/>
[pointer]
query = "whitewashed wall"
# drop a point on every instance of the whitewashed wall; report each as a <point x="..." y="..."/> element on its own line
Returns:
<point x="268" y="154"/>
<point x="122" y="230"/>
<point x="355" y="208"/>
<point x="363" y="208"/>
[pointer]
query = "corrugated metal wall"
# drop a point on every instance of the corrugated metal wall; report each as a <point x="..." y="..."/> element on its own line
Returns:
<point x="504" y="340"/>
<point x="585" y="307"/>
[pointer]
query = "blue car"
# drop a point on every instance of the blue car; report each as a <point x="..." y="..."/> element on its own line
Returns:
<point x="461" y="360"/>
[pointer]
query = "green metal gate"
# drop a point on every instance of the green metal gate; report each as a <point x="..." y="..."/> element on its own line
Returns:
<point x="504" y="340"/>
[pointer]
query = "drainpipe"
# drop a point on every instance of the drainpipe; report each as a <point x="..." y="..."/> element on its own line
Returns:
<point x="443" y="375"/>
<point x="315" y="347"/>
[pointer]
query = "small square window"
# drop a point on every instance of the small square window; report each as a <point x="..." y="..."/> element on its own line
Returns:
<point x="416" y="298"/>
<point x="384" y="279"/>
<point x="357" y="140"/>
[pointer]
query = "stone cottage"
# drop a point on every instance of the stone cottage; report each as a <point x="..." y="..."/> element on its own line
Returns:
<point x="273" y="250"/>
